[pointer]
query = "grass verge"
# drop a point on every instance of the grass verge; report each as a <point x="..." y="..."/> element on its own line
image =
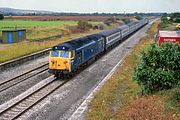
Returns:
<point x="120" y="98"/>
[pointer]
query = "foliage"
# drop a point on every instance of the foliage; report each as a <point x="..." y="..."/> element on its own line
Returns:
<point x="175" y="15"/>
<point x="168" y="19"/>
<point x="126" y="20"/>
<point x="82" y="26"/>
<point x="164" y="15"/>
<point x="109" y="21"/>
<point x="138" y="17"/>
<point x="159" y="68"/>
<point x="164" y="22"/>
<point x="1" y="16"/>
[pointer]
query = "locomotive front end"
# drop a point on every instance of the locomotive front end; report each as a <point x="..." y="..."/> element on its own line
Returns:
<point x="60" y="62"/>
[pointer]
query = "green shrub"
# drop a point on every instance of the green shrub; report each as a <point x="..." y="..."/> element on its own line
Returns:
<point x="126" y="20"/>
<point x="82" y="26"/>
<point x="138" y="17"/>
<point x="159" y="68"/>
<point x="1" y="16"/>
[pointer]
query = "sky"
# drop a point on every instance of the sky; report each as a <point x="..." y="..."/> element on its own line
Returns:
<point x="92" y="6"/>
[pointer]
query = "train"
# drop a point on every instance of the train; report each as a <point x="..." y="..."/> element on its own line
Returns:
<point x="69" y="57"/>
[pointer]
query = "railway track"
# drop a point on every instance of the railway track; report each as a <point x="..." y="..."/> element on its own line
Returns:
<point x="15" y="110"/>
<point x="20" y="78"/>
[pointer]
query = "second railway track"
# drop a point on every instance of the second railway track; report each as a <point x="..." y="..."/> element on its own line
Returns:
<point x="16" y="109"/>
<point x="20" y="78"/>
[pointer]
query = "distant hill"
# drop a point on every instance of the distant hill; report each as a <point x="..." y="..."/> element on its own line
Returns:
<point x="20" y="12"/>
<point x="11" y="11"/>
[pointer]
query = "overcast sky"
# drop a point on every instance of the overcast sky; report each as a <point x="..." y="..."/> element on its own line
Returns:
<point x="91" y="6"/>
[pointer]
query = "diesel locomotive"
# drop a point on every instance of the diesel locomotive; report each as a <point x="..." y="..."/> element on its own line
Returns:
<point x="68" y="57"/>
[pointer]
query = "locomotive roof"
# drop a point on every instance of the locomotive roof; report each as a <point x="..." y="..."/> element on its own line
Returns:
<point x="77" y="43"/>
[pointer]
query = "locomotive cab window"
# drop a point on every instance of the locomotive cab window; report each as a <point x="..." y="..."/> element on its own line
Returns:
<point x="64" y="54"/>
<point x="54" y="53"/>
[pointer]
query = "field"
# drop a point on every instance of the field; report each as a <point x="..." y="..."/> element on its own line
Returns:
<point x="7" y="24"/>
<point x="36" y="29"/>
<point x="57" y="18"/>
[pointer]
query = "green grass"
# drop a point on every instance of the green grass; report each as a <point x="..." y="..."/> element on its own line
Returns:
<point x="7" y="24"/>
<point x="36" y="29"/>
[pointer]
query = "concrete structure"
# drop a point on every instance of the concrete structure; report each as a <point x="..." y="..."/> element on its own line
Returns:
<point x="13" y="36"/>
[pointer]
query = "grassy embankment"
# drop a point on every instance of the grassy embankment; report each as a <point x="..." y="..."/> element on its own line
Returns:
<point x="120" y="98"/>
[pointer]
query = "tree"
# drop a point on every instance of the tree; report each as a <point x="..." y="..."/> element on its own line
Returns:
<point x="159" y="68"/>
<point x="1" y="16"/>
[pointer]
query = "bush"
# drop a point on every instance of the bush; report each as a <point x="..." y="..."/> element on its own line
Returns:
<point x="159" y="68"/>
<point x="82" y="26"/>
<point x="110" y="21"/>
<point x="126" y="20"/>
<point x="138" y="17"/>
<point x="1" y="16"/>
